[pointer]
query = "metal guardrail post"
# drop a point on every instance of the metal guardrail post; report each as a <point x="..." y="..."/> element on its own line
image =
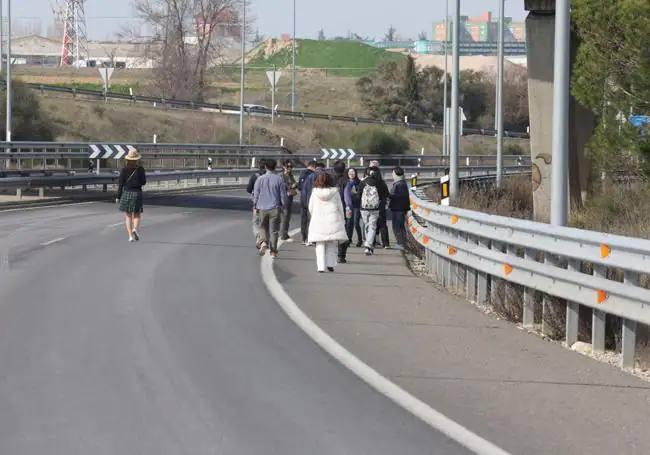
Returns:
<point x="572" y="312"/>
<point x="628" y="344"/>
<point x="483" y="278"/>
<point x="598" y="319"/>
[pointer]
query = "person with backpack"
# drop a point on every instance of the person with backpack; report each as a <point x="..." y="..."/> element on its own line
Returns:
<point x="304" y="186"/>
<point x="270" y="196"/>
<point x="399" y="206"/>
<point x="327" y="224"/>
<point x="373" y="198"/>
<point x="382" y="222"/>
<point x="249" y="189"/>
<point x="352" y="199"/>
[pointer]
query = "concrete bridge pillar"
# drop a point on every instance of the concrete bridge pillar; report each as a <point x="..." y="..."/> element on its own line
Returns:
<point x="540" y="34"/>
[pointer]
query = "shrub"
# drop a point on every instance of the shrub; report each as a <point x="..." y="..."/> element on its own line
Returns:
<point x="377" y="142"/>
<point x="29" y="122"/>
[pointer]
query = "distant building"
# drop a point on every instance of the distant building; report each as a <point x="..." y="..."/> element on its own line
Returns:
<point x="38" y="50"/>
<point x="482" y="29"/>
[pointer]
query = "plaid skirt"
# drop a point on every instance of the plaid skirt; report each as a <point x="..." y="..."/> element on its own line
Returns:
<point x="131" y="202"/>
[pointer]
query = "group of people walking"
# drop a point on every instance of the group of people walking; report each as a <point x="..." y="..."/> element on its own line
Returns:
<point x="335" y="205"/>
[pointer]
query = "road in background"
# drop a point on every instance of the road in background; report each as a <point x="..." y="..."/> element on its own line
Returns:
<point x="169" y="346"/>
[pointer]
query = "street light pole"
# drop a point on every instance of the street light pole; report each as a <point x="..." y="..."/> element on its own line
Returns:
<point x="499" y="100"/>
<point x="445" y="120"/>
<point x="455" y="138"/>
<point x="243" y="66"/>
<point x="293" y="61"/>
<point x="8" y="134"/>
<point x="560" y="148"/>
<point x="2" y="26"/>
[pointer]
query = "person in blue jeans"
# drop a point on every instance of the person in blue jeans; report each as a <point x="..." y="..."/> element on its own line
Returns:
<point x="352" y="198"/>
<point x="399" y="206"/>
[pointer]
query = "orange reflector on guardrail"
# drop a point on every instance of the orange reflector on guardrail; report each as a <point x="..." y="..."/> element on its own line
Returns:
<point x="452" y="251"/>
<point x="507" y="269"/>
<point x="454" y="219"/>
<point x="605" y="251"/>
<point x="425" y="240"/>
<point x="602" y="297"/>
<point x="414" y="229"/>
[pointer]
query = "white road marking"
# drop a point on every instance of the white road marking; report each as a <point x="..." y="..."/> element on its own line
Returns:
<point x="55" y="206"/>
<point x="374" y="379"/>
<point x="52" y="242"/>
<point x="116" y="224"/>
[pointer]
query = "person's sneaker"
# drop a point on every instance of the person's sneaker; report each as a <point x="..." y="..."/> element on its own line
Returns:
<point x="136" y="237"/>
<point x="284" y="238"/>
<point x="342" y="261"/>
<point x="262" y="251"/>
<point x="274" y="254"/>
<point x="368" y="252"/>
<point x="305" y="243"/>
<point x="131" y="239"/>
<point x="330" y="269"/>
<point x="387" y="247"/>
<point x="359" y="244"/>
<point x="288" y="240"/>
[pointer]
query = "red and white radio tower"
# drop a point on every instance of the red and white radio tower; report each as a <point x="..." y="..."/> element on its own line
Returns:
<point x="74" y="51"/>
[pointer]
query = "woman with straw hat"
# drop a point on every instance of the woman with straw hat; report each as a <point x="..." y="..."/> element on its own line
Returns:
<point x="129" y="193"/>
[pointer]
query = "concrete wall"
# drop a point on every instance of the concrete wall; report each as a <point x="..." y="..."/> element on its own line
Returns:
<point x="540" y="30"/>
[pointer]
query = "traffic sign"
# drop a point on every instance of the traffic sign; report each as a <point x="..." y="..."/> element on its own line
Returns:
<point x="106" y="74"/>
<point x="338" y="154"/>
<point x="274" y="78"/>
<point x="106" y="151"/>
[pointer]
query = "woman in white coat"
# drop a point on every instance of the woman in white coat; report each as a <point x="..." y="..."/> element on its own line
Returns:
<point x="327" y="225"/>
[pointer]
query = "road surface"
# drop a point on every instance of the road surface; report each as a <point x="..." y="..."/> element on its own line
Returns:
<point x="169" y="346"/>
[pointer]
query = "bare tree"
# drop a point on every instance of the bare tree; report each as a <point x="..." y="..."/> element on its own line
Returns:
<point x="390" y="34"/>
<point x="190" y="36"/>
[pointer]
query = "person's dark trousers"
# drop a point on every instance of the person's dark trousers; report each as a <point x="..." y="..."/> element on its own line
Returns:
<point x="286" y="219"/>
<point x="354" y="224"/>
<point x="270" y="227"/>
<point x="304" y="223"/>
<point x="343" y="250"/>
<point x="398" y="218"/>
<point x="382" y="228"/>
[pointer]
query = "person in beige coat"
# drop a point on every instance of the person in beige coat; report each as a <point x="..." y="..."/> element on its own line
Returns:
<point x="327" y="225"/>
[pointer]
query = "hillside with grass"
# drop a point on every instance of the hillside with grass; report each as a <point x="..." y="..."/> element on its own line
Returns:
<point x="322" y="54"/>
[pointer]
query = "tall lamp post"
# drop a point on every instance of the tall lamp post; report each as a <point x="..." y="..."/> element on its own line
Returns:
<point x="293" y="61"/>
<point x="243" y="66"/>
<point x="499" y="99"/>
<point x="560" y="143"/>
<point x="445" y="120"/>
<point x="8" y="134"/>
<point x="455" y="118"/>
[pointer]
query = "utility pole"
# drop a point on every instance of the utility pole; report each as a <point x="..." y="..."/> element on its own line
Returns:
<point x="560" y="148"/>
<point x="499" y="99"/>
<point x="455" y="137"/>
<point x="2" y="26"/>
<point x="243" y="66"/>
<point x="445" y="120"/>
<point x="293" y="61"/>
<point x="8" y="133"/>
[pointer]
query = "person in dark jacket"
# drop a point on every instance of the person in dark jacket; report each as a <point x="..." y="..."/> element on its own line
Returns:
<point x="374" y="194"/>
<point x="249" y="189"/>
<point x="382" y="223"/>
<point x="399" y="206"/>
<point x="340" y="182"/>
<point x="305" y="193"/>
<point x="352" y="199"/>
<point x="129" y="192"/>
<point x="292" y="189"/>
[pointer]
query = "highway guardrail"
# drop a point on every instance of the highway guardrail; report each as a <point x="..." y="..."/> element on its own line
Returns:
<point x="256" y="110"/>
<point x="476" y="253"/>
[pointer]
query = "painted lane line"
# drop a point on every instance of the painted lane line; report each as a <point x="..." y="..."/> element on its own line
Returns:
<point x="43" y="207"/>
<point x="116" y="224"/>
<point x="52" y="242"/>
<point x="374" y="379"/>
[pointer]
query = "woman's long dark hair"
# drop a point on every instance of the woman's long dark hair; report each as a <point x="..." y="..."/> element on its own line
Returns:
<point x="356" y="174"/>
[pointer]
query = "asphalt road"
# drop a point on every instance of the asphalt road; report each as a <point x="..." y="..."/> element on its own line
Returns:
<point x="169" y="346"/>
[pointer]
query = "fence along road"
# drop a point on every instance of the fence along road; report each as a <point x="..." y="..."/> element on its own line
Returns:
<point x="474" y="253"/>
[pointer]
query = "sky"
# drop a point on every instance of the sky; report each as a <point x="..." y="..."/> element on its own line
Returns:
<point x="274" y="17"/>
